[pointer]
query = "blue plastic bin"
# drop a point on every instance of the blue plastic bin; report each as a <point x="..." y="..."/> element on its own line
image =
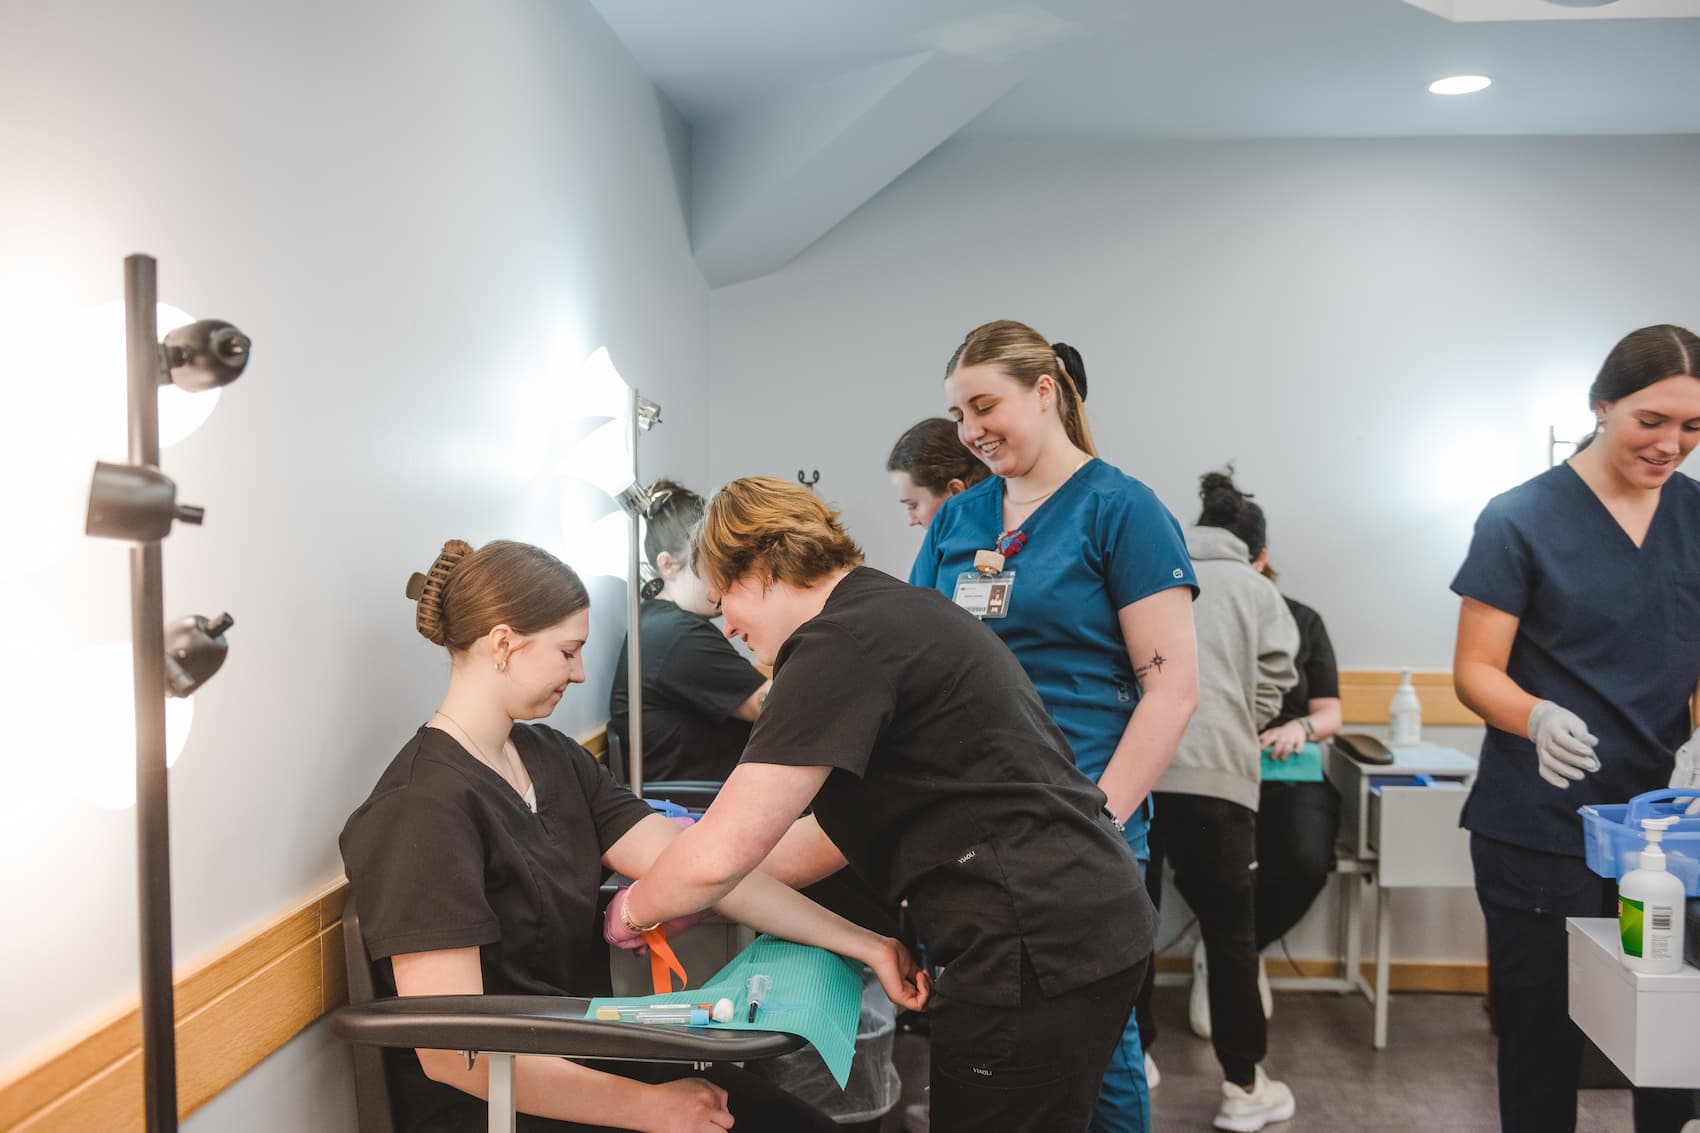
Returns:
<point x="1613" y="838"/>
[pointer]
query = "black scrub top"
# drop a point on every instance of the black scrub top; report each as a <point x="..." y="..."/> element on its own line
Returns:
<point x="444" y="854"/>
<point x="693" y="680"/>
<point x="1319" y="676"/>
<point x="951" y="786"/>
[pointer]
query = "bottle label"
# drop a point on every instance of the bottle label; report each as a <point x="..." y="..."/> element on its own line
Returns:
<point x="1646" y="931"/>
<point x="1630" y="917"/>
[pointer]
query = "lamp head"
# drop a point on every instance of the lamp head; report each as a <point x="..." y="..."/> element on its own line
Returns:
<point x="648" y="413"/>
<point x="135" y="502"/>
<point x="205" y="355"/>
<point x="194" y="650"/>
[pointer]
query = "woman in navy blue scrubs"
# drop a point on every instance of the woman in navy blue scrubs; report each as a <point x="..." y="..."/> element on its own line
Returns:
<point x="1579" y="645"/>
<point x="1100" y="610"/>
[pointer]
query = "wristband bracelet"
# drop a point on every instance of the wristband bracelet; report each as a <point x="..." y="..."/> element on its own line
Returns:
<point x="626" y="916"/>
<point x="1310" y="732"/>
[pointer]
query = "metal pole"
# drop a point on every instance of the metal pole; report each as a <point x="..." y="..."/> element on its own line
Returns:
<point x="147" y="637"/>
<point x="634" y="605"/>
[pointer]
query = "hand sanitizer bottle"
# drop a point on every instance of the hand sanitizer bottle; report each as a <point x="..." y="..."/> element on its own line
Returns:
<point x="1405" y="714"/>
<point x="1650" y="903"/>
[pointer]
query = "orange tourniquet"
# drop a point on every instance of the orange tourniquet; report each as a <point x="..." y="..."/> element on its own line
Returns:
<point x="662" y="962"/>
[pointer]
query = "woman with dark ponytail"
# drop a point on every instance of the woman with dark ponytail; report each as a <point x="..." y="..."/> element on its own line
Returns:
<point x="1579" y="646"/>
<point x="1086" y="579"/>
<point x="928" y="465"/>
<point x="700" y="695"/>
<point x="1206" y="802"/>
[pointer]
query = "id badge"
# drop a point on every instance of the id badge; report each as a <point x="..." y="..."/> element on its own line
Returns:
<point x="985" y="595"/>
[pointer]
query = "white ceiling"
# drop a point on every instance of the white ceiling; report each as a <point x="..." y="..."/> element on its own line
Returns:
<point x="748" y="74"/>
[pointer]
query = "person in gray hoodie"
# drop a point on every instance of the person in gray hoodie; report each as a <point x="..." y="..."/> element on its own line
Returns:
<point x="1205" y="820"/>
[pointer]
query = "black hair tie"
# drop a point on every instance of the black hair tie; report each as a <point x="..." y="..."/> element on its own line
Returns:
<point x="1074" y="364"/>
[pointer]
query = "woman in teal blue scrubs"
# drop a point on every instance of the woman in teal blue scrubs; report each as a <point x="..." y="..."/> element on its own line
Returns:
<point x="1093" y="593"/>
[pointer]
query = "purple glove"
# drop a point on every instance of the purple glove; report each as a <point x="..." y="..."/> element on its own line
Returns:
<point x="615" y="932"/>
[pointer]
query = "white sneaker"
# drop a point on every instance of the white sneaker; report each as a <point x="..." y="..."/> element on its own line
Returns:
<point x="1198" y="1004"/>
<point x="1247" y="1111"/>
<point x="917" y="1119"/>
<point x="1263" y="993"/>
<point x="1151" y="1075"/>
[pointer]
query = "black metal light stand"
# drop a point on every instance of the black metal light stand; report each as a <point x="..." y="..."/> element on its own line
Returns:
<point x="137" y="503"/>
<point x="643" y="415"/>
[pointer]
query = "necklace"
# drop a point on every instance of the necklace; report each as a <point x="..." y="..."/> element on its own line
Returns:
<point x="1035" y="499"/>
<point x="516" y="770"/>
<point x="1047" y="495"/>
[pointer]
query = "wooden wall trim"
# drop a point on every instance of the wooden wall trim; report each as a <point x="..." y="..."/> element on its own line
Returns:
<point x="1365" y="693"/>
<point x="1401" y="975"/>
<point x="233" y="1008"/>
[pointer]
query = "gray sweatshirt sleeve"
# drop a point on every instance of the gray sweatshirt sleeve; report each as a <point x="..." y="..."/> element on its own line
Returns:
<point x="1277" y="671"/>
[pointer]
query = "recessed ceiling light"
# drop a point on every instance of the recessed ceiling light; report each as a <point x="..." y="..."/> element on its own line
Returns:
<point x="1460" y="84"/>
<point x="1581" y="3"/>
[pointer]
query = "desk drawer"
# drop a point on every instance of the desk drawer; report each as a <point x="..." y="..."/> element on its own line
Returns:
<point x="1414" y="831"/>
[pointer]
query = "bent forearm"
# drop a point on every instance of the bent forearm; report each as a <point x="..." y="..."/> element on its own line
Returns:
<point x="1324" y="717"/>
<point x="772" y="907"/>
<point x="1490" y="693"/>
<point x="550" y="1087"/>
<point x="1147" y="746"/>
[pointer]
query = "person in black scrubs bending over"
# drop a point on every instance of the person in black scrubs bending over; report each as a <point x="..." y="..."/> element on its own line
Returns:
<point x="699" y="694"/>
<point x="476" y="861"/>
<point x="1579" y="646"/>
<point x="935" y="773"/>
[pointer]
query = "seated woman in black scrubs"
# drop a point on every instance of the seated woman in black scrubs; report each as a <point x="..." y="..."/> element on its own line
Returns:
<point x="699" y="693"/>
<point x="935" y="773"/>
<point x="475" y="865"/>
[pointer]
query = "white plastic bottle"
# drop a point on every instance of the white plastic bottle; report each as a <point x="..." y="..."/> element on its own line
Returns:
<point x="1650" y="903"/>
<point x="1405" y="714"/>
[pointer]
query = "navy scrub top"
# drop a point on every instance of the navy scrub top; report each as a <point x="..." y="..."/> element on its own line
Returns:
<point x="1608" y="630"/>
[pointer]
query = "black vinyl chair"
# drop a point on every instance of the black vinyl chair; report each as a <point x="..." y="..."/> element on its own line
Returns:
<point x="503" y="1026"/>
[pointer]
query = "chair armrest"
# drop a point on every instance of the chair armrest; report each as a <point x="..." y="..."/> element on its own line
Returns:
<point x="692" y="794"/>
<point x="543" y="1024"/>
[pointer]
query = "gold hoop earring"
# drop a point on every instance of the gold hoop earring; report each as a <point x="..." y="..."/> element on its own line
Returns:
<point x="502" y="666"/>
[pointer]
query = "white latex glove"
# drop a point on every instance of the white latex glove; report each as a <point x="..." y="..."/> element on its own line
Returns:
<point x="1687" y="770"/>
<point x="1563" y="744"/>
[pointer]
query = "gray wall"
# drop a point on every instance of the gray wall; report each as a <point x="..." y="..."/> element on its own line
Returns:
<point x="1378" y="333"/>
<point x="425" y="215"/>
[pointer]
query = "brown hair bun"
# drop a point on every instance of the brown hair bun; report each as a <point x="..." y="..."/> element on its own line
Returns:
<point x="427" y="590"/>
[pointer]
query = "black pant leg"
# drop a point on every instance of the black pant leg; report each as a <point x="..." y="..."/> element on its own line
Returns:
<point x="1664" y="1111"/>
<point x="1213" y="845"/>
<point x="1035" y="1068"/>
<point x="1143" y="1011"/>
<point x="1525" y="897"/>
<point x="1297" y="824"/>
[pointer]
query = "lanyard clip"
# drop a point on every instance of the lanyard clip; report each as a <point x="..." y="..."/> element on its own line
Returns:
<point x="988" y="562"/>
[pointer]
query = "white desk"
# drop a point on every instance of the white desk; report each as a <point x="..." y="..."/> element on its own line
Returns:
<point x="1649" y="1026"/>
<point x="1393" y="837"/>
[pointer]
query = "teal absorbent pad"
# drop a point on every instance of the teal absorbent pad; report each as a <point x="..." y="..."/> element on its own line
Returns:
<point x="1303" y="766"/>
<point x="811" y="992"/>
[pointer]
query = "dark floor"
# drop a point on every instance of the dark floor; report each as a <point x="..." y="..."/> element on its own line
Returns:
<point x="1436" y="1075"/>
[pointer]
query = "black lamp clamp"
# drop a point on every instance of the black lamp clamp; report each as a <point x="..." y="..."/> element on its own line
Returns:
<point x="137" y="503"/>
